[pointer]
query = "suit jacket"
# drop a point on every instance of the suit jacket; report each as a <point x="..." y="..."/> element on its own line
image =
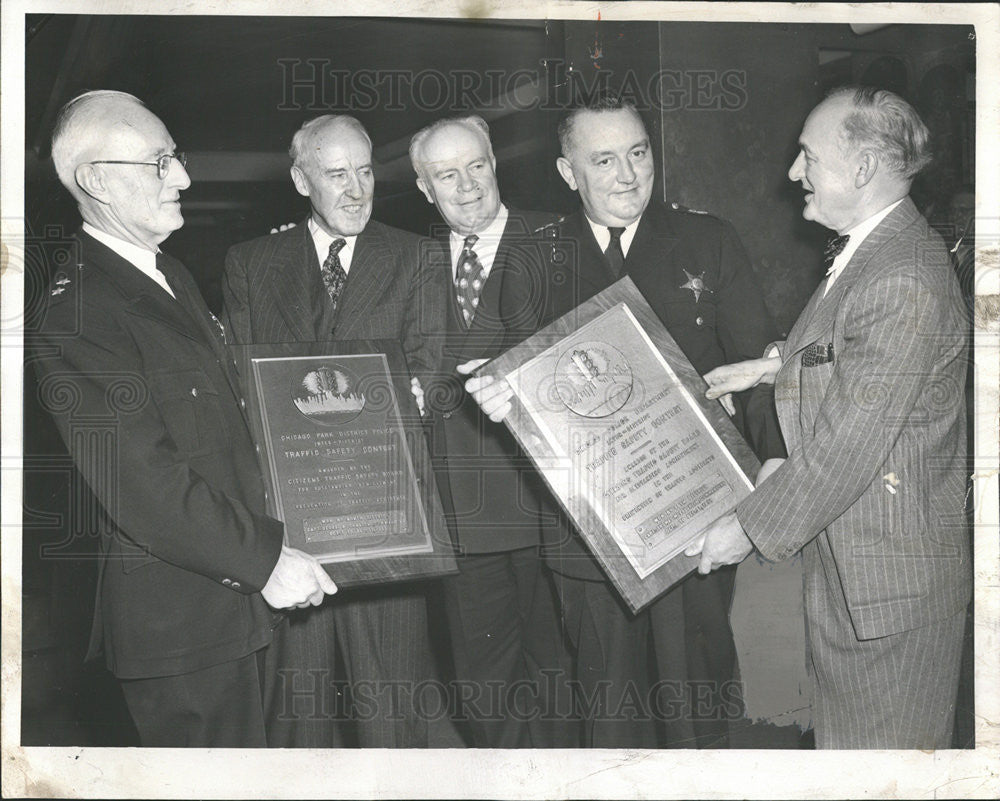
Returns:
<point x="876" y="437"/>
<point x="142" y="391"/>
<point x="726" y="322"/>
<point x="492" y="496"/>
<point x="273" y="291"/>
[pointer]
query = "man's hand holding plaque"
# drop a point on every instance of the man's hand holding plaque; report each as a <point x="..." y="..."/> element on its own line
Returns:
<point x="616" y="421"/>
<point x="492" y="395"/>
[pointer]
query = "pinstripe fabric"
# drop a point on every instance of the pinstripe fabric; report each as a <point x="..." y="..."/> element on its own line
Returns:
<point x="874" y="477"/>
<point x="896" y="691"/>
<point x="273" y="292"/>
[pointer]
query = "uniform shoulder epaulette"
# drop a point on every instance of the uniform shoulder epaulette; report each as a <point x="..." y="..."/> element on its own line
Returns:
<point x="64" y="280"/>
<point x="679" y="207"/>
<point x="552" y="226"/>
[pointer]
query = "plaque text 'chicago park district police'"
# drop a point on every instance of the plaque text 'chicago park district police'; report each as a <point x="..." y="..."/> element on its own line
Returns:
<point x="345" y="459"/>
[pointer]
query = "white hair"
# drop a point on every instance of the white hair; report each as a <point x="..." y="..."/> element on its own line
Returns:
<point x="472" y="123"/>
<point x="78" y="131"/>
<point x="299" y="147"/>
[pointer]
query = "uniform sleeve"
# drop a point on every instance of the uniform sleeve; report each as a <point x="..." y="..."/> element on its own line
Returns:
<point x="95" y="387"/>
<point x="745" y="325"/>
<point x="745" y="331"/>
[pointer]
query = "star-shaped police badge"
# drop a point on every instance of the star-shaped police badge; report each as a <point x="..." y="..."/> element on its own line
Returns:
<point x="696" y="283"/>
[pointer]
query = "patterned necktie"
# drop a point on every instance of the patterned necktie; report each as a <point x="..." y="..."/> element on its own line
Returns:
<point x="614" y="253"/>
<point x="834" y="247"/>
<point x="468" y="280"/>
<point x="333" y="273"/>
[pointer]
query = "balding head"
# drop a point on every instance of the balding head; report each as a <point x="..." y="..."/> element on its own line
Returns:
<point x="83" y="128"/>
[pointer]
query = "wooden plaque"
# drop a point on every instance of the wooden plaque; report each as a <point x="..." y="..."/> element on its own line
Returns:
<point x="343" y="451"/>
<point x="615" y="419"/>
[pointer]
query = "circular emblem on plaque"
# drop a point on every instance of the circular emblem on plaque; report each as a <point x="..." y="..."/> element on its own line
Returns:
<point x="329" y="396"/>
<point x="593" y="379"/>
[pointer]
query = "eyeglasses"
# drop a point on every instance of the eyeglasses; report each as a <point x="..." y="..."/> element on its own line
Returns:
<point x="162" y="163"/>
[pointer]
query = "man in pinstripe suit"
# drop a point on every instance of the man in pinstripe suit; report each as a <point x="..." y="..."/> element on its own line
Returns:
<point x="338" y="276"/>
<point x="868" y="388"/>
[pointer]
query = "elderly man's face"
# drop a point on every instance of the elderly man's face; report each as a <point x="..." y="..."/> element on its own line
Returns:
<point x="826" y="171"/>
<point x="337" y="178"/>
<point x="611" y="165"/>
<point x="458" y="176"/>
<point x="139" y="206"/>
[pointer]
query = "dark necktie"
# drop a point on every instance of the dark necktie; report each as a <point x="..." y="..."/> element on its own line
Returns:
<point x="468" y="280"/>
<point x="834" y="247"/>
<point x="334" y="275"/>
<point x="614" y="253"/>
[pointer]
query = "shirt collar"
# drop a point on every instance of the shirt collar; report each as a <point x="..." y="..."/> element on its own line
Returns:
<point x="322" y="240"/>
<point x="603" y="235"/>
<point x="139" y="257"/>
<point x="858" y="234"/>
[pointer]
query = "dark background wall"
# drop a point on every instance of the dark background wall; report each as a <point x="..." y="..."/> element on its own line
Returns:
<point x="724" y="104"/>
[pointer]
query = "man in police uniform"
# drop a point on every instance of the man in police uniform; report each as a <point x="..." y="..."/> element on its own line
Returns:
<point x="695" y="274"/>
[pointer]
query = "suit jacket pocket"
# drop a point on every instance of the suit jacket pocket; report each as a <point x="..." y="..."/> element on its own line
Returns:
<point x="190" y="407"/>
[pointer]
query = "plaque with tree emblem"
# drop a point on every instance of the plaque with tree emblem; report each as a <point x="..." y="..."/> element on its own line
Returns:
<point x="342" y="448"/>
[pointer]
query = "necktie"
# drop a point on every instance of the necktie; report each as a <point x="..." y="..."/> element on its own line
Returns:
<point x="468" y="280"/>
<point x="160" y="275"/>
<point x="614" y="253"/>
<point x="333" y="273"/>
<point x="834" y="247"/>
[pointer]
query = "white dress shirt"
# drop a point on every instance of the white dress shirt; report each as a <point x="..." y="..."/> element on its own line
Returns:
<point x="603" y="235"/>
<point x="140" y="258"/>
<point x="322" y="240"/>
<point x="486" y="246"/>
<point x="857" y="235"/>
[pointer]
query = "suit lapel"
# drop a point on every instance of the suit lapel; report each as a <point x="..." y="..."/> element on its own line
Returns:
<point x="591" y="266"/>
<point x="369" y="278"/>
<point x="190" y="297"/>
<point x="294" y="277"/>
<point x="651" y="246"/>
<point x="819" y="314"/>
<point x="144" y="296"/>
<point x="487" y="330"/>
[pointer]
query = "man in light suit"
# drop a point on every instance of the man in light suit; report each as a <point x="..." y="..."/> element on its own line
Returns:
<point x="695" y="274"/>
<point x="134" y="369"/>
<point x="500" y="608"/>
<point x="339" y="276"/>
<point x="869" y="390"/>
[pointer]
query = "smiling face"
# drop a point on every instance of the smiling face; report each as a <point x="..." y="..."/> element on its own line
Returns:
<point x="458" y="176"/>
<point x="610" y="164"/>
<point x="335" y="173"/>
<point x="138" y="206"/>
<point x="827" y="173"/>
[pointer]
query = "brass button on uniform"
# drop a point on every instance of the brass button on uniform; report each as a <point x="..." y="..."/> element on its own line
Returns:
<point x="699" y="320"/>
<point x="227" y="582"/>
<point x="194" y="391"/>
<point x="236" y="585"/>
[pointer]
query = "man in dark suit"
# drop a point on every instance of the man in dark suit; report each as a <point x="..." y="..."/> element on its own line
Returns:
<point x="338" y="276"/>
<point x="693" y="271"/>
<point x="869" y="387"/>
<point x="500" y="608"/>
<point x="134" y="369"/>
